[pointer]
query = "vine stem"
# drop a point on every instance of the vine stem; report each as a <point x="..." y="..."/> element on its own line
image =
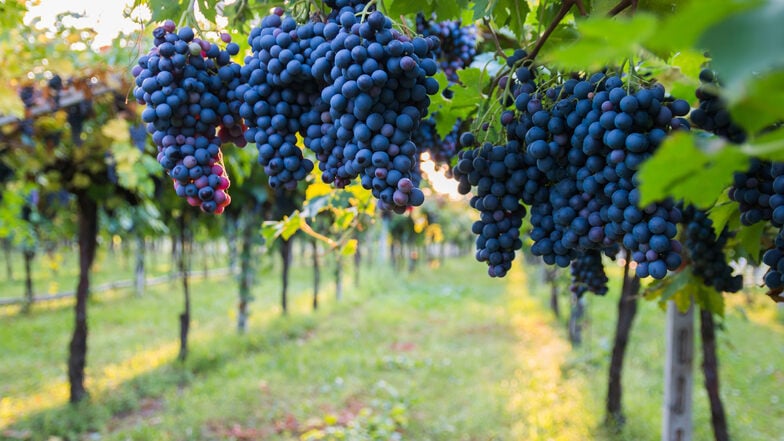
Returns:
<point x="565" y="7"/>
<point x="498" y="49"/>
<point x="623" y="4"/>
<point x="366" y="9"/>
<point x="305" y="228"/>
<point x="188" y="10"/>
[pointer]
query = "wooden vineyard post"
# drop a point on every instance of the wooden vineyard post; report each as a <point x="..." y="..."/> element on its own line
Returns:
<point x="678" y="374"/>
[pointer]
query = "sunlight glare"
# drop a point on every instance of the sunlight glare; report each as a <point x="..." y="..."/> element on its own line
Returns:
<point x="438" y="179"/>
<point x="105" y="17"/>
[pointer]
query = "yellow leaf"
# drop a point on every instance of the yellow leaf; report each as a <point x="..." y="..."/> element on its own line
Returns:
<point x="117" y="129"/>
<point x="10" y="104"/>
<point x="317" y="189"/>
<point x="349" y="248"/>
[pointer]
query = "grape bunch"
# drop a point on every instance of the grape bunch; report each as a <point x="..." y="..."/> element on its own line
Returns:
<point x="458" y="43"/>
<point x="274" y="95"/>
<point x="494" y="170"/>
<point x="774" y="257"/>
<point x="355" y="90"/>
<point x="759" y="191"/>
<point x="185" y="83"/>
<point x="712" y="115"/>
<point x="583" y="140"/>
<point x="753" y="191"/>
<point x="706" y="251"/>
<point x="587" y="271"/>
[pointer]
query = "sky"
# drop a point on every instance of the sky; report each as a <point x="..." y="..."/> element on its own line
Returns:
<point x="105" y="16"/>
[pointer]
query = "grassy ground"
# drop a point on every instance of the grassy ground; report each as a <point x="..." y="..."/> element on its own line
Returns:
<point x="441" y="354"/>
<point x="59" y="271"/>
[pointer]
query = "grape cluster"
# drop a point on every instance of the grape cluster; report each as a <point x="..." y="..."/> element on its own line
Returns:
<point x="774" y="257"/>
<point x="582" y="142"/>
<point x="712" y="114"/>
<point x="587" y="271"/>
<point x="759" y="191"/>
<point x="753" y="191"/>
<point x="186" y="84"/>
<point x="458" y="43"/>
<point x="706" y="251"/>
<point x="355" y="90"/>
<point x="274" y="95"/>
<point x="495" y="172"/>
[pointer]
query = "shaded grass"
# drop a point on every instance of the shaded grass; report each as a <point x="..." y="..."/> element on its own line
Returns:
<point x="441" y="354"/>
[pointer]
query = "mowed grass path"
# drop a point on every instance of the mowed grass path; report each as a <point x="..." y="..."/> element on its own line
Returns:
<point x="438" y="354"/>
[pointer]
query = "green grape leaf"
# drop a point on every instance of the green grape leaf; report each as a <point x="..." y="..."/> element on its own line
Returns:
<point x="344" y="219"/>
<point x="745" y="44"/>
<point x="270" y="230"/>
<point x="708" y="298"/>
<point x="208" y="9"/>
<point x="603" y="41"/>
<point x="666" y="288"/>
<point x="511" y="14"/>
<point x="685" y="27"/>
<point x="165" y="9"/>
<point x="750" y="239"/>
<point x="683" y="299"/>
<point x="396" y="8"/>
<point x="757" y="104"/>
<point x="482" y="8"/>
<point x="725" y="213"/>
<point x="466" y="99"/>
<point x="681" y="170"/>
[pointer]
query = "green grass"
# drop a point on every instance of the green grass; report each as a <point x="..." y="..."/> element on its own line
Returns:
<point x="440" y="354"/>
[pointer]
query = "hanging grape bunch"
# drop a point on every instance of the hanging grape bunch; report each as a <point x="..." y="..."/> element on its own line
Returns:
<point x="185" y="83"/>
<point x="587" y="273"/>
<point x="759" y="191"/>
<point x="581" y="142"/>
